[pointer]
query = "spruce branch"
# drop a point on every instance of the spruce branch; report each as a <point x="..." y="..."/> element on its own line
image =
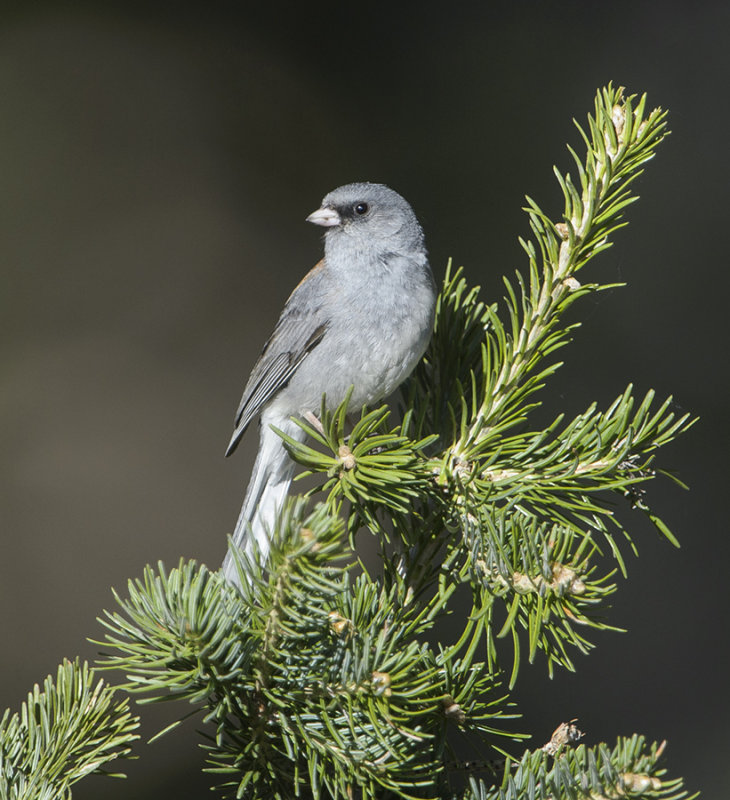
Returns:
<point x="372" y="466"/>
<point x="321" y="679"/>
<point x="465" y="482"/>
<point x="309" y="675"/>
<point x="630" y="769"/>
<point x="621" y="139"/>
<point x="72" y="727"/>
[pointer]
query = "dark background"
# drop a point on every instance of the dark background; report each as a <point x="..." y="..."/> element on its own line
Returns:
<point x="157" y="166"/>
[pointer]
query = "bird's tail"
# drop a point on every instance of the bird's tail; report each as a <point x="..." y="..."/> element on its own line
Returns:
<point x="270" y="479"/>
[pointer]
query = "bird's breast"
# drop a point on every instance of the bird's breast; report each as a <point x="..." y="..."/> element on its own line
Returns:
<point x="378" y="329"/>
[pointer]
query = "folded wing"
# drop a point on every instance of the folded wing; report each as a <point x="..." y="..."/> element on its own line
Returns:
<point x="296" y="334"/>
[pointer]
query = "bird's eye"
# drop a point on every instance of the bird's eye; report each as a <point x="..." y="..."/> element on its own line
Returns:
<point x="361" y="208"/>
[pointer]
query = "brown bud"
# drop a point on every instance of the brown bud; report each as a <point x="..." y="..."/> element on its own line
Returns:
<point x="347" y="459"/>
<point x="338" y="623"/>
<point x="381" y="684"/>
<point x="639" y="784"/>
<point x="453" y="710"/>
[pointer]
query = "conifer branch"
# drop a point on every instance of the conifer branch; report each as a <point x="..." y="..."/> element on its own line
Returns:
<point x="70" y="728"/>
<point x="526" y="504"/>
<point x="320" y="679"/>
<point x="630" y="769"/>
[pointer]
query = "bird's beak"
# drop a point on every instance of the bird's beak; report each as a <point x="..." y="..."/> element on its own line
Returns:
<point x="327" y="217"/>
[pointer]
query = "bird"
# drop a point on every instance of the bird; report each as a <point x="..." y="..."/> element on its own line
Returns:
<point x="360" y="320"/>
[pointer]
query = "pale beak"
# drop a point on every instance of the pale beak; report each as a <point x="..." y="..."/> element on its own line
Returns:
<point x="327" y="217"/>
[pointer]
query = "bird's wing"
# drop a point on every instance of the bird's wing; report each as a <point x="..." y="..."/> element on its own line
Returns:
<point x="299" y="330"/>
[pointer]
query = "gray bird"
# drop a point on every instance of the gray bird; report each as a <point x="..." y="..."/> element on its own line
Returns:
<point x="361" y="318"/>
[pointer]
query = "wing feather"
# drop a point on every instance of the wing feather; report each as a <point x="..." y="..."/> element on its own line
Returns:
<point x="274" y="368"/>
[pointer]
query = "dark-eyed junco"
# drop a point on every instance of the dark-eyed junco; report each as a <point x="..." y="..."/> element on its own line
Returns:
<point x="362" y="317"/>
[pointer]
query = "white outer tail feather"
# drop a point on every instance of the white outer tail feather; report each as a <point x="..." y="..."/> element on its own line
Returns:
<point x="271" y="477"/>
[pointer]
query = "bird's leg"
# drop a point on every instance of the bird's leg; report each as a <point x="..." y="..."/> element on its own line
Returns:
<point x="345" y="454"/>
<point x="314" y="421"/>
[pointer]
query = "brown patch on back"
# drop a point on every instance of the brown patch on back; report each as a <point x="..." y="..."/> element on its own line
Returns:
<point x="318" y="267"/>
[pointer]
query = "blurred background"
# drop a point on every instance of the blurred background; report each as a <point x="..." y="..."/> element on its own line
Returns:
<point x="157" y="165"/>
